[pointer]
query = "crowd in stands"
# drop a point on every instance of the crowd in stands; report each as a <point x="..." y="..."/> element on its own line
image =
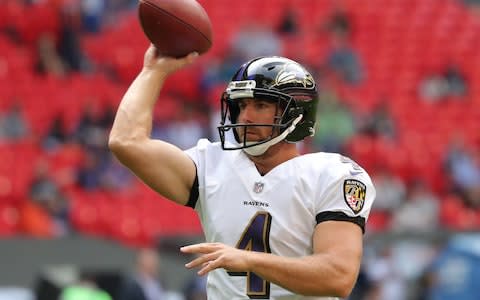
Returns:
<point x="372" y="132"/>
<point x="409" y="116"/>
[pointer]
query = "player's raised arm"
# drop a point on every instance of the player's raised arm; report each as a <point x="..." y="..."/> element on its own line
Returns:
<point x="162" y="166"/>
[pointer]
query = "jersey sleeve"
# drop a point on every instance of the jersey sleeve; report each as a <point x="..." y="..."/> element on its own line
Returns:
<point x="198" y="156"/>
<point x="347" y="194"/>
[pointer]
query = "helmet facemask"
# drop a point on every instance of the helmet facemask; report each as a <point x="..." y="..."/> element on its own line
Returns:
<point x="275" y="79"/>
<point x="287" y="114"/>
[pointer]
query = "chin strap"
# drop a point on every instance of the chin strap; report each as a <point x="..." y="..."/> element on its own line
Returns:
<point x="262" y="148"/>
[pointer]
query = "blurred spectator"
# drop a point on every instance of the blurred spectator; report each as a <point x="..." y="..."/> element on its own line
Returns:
<point x="343" y="61"/>
<point x="463" y="165"/>
<point x="13" y="125"/>
<point x="186" y="128"/>
<point x="12" y="29"/>
<point x="69" y="47"/>
<point x="220" y="69"/>
<point x="339" y="22"/>
<point x="472" y="2"/>
<point x="456" y="82"/>
<point x="424" y="284"/>
<point x="89" y="174"/>
<point x="196" y="288"/>
<point x="419" y="212"/>
<point x="144" y="284"/>
<point x="91" y="133"/>
<point x="45" y="192"/>
<point x="219" y="72"/>
<point x="391" y="190"/>
<point x="336" y="124"/>
<point x="117" y="6"/>
<point x="115" y="177"/>
<point x="454" y="272"/>
<point x="100" y="170"/>
<point x="288" y="24"/>
<point x="56" y="135"/>
<point x="379" y="122"/>
<point x="266" y="42"/>
<point x="92" y="128"/>
<point x="92" y="15"/>
<point x="49" y="61"/>
<point x="387" y="281"/>
<point x="433" y="88"/>
<point x="35" y="221"/>
<point x="439" y="86"/>
<point x="85" y="289"/>
<point x="43" y="188"/>
<point x="362" y="286"/>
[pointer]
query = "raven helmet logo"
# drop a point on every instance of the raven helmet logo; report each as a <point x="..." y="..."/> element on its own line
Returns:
<point x="293" y="73"/>
<point x="354" y="193"/>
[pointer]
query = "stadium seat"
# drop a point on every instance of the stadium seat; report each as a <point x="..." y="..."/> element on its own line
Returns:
<point x="84" y="215"/>
<point x="456" y="216"/>
<point x="9" y="219"/>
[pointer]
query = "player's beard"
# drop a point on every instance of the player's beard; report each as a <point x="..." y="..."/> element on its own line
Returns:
<point x="256" y="133"/>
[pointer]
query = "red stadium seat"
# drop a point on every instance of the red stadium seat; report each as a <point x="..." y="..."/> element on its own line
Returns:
<point x="84" y="215"/>
<point x="456" y="216"/>
<point x="9" y="219"/>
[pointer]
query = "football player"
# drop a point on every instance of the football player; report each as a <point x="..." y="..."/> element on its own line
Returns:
<point x="278" y="224"/>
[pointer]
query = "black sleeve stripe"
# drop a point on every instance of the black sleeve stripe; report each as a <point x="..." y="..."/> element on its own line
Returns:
<point x="192" y="201"/>
<point x="340" y="216"/>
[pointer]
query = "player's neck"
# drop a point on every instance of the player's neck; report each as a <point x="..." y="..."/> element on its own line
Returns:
<point x="274" y="156"/>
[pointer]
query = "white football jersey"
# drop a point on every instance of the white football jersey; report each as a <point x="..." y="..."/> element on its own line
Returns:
<point x="274" y="213"/>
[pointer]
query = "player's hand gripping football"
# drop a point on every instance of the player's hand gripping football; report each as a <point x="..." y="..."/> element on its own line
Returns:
<point x="217" y="255"/>
<point x="167" y="65"/>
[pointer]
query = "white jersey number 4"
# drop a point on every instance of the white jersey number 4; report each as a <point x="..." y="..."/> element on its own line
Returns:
<point x="256" y="237"/>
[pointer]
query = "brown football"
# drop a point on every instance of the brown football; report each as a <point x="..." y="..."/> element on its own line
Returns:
<point x="176" y="27"/>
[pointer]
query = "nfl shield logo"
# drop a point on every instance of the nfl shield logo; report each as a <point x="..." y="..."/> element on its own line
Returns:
<point x="258" y="187"/>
